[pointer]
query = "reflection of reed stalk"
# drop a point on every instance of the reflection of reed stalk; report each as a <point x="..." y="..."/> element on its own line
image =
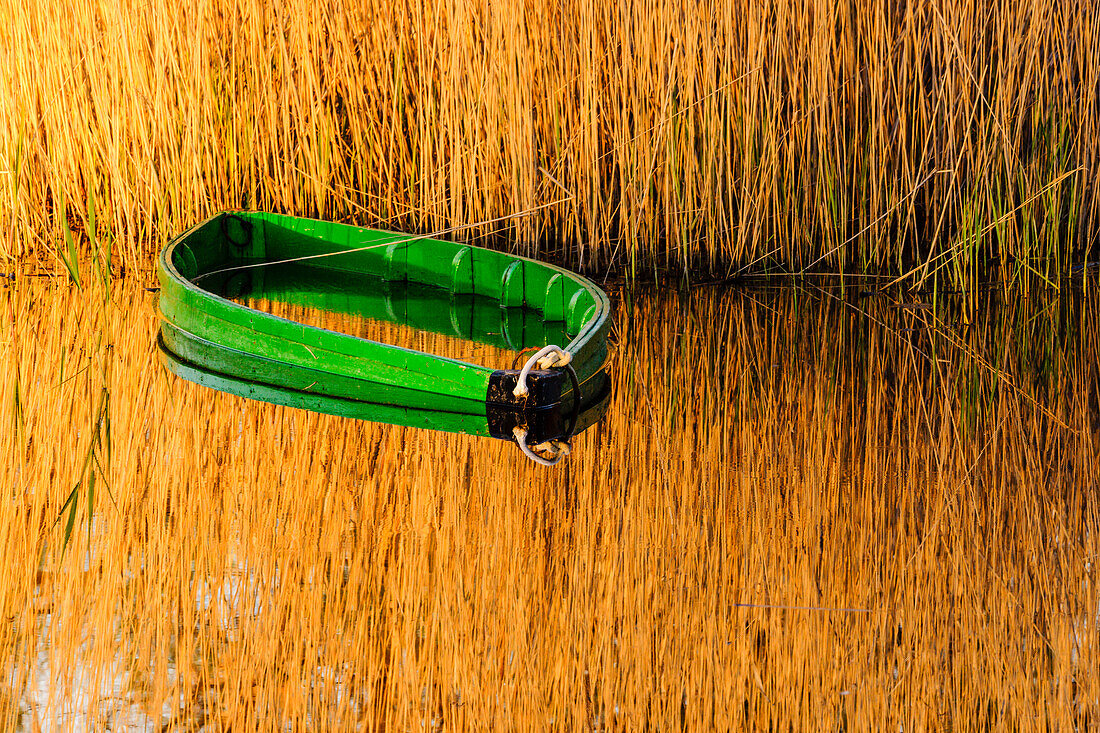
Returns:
<point x="773" y="463"/>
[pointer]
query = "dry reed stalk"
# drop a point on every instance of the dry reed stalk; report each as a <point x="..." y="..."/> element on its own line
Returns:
<point x="862" y="136"/>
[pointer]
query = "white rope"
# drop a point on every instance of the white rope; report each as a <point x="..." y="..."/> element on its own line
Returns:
<point x="544" y="358"/>
<point x="558" y="448"/>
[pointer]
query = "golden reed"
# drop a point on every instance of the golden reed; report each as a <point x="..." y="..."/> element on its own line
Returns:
<point x="953" y="140"/>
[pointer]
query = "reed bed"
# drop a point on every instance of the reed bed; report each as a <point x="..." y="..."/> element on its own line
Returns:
<point x="945" y="141"/>
<point x="805" y="510"/>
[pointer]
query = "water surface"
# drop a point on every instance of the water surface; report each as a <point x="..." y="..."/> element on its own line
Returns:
<point x="806" y="507"/>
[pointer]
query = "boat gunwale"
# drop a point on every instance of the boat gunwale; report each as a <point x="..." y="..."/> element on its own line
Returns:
<point x="589" y="330"/>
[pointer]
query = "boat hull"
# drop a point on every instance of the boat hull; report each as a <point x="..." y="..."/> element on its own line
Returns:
<point x="426" y="283"/>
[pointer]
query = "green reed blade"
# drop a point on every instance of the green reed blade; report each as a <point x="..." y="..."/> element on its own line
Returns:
<point x="70" y="504"/>
<point x="69" y="255"/>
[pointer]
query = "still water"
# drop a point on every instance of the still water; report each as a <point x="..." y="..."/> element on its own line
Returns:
<point x="806" y="507"/>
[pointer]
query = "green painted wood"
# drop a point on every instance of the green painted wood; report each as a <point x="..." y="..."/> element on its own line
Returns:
<point x="221" y="335"/>
<point x="250" y="367"/>
<point x="383" y="411"/>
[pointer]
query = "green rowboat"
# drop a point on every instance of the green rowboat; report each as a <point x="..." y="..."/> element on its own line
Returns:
<point x="446" y="287"/>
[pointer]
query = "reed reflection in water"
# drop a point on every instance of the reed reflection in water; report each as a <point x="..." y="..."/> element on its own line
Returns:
<point x="805" y="509"/>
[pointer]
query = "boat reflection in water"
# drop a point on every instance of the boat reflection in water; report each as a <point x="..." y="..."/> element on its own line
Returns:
<point x="402" y="312"/>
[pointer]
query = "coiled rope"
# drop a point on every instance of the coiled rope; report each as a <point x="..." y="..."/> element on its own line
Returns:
<point x="545" y="358"/>
<point x="556" y="449"/>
